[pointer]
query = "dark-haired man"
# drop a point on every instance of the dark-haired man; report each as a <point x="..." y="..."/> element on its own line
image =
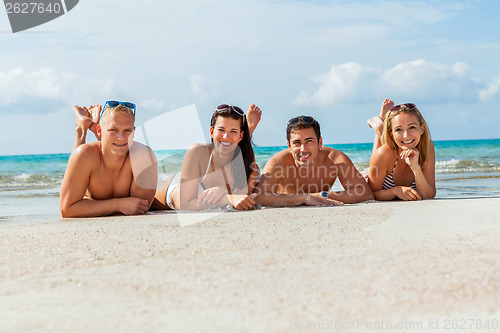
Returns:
<point x="305" y="172"/>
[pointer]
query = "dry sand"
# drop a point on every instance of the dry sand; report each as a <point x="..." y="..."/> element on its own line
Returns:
<point x="356" y="267"/>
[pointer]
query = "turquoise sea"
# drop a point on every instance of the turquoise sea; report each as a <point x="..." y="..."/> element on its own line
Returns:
<point x="29" y="184"/>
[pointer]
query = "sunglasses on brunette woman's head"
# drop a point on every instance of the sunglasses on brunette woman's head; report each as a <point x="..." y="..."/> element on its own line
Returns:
<point x="114" y="104"/>
<point x="224" y="107"/>
<point x="397" y="107"/>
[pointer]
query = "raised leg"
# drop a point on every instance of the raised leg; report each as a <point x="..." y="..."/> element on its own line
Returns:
<point x="377" y="122"/>
<point x="253" y="117"/>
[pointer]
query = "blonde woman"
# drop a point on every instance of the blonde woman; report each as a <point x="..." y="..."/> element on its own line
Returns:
<point x="403" y="159"/>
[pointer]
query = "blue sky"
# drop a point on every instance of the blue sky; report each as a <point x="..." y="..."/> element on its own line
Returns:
<point x="334" y="60"/>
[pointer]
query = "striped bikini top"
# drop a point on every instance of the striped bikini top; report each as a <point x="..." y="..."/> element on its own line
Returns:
<point x="389" y="180"/>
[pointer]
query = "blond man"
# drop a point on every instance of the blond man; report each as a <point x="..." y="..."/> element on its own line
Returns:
<point x="112" y="175"/>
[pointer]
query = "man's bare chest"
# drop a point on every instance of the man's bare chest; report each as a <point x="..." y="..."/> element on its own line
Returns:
<point x="105" y="185"/>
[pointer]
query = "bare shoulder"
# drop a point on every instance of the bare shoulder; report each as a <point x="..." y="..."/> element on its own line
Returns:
<point x="431" y="156"/>
<point x="385" y="151"/>
<point x="197" y="148"/>
<point x="84" y="160"/>
<point x="141" y="146"/>
<point x="197" y="151"/>
<point x="281" y="158"/>
<point x="431" y="146"/>
<point x="140" y="153"/>
<point x="384" y="157"/>
<point x="87" y="153"/>
<point x="195" y="159"/>
<point x="335" y="155"/>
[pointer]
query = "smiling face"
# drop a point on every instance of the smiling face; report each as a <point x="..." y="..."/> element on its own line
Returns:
<point x="304" y="146"/>
<point x="406" y="130"/>
<point x="226" y="134"/>
<point x="116" y="132"/>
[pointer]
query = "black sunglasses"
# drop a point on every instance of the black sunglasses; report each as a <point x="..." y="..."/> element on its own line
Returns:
<point x="306" y="119"/>
<point x="408" y="105"/>
<point x="224" y="107"/>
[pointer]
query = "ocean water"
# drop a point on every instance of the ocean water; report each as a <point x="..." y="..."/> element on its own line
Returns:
<point x="30" y="184"/>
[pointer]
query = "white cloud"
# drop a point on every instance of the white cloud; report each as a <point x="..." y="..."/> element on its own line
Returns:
<point x="432" y="82"/>
<point x="203" y="87"/>
<point x="343" y="83"/>
<point x="415" y="80"/>
<point x="20" y="88"/>
<point x="491" y="90"/>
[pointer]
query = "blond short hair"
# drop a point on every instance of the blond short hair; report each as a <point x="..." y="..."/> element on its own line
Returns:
<point x="117" y="109"/>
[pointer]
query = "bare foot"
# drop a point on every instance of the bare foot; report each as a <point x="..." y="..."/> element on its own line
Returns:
<point x="88" y="118"/>
<point x="387" y="104"/>
<point x="253" y="117"/>
<point x="95" y="111"/>
<point x="83" y="117"/>
<point x="377" y="122"/>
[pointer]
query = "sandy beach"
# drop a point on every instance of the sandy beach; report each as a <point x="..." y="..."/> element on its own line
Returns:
<point x="414" y="265"/>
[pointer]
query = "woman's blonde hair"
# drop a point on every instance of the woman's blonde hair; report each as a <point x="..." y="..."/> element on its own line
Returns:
<point x="425" y="138"/>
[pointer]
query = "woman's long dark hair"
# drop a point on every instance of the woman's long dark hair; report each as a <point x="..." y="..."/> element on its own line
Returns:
<point x="244" y="146"/>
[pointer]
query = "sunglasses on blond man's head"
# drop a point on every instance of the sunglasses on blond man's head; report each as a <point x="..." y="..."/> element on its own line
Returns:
<point x="114" y="104"/>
